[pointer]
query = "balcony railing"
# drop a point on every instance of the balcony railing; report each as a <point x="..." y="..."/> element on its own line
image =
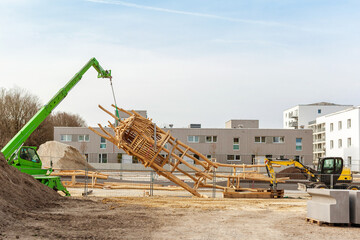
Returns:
<point x="318" y="140"/>
<point x="293" y="124"/>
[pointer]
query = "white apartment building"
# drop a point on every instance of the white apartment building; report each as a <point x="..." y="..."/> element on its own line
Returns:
<point x="319" y="138"/>
<point x="298" y="117"/>
<point x="342" y="130"/>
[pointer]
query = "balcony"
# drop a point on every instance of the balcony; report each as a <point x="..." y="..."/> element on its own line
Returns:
<point x="317" y="130"/>
<point x="293" y="124"/>
<point x="317" y="140"/>
<point x="293" y="115"/>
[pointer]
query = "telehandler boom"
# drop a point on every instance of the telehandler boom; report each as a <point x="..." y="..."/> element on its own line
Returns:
<point x="26" y="158"/>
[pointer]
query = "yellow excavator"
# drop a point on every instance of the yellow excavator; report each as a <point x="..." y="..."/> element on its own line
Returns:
<point x="330" y="173"/>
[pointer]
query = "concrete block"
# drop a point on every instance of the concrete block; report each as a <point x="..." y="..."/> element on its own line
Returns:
<point x="354" y="206"/>
<point x="329" y="205"/>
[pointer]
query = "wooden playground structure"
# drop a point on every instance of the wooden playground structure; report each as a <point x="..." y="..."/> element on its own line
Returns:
<point x="140" y="137"/>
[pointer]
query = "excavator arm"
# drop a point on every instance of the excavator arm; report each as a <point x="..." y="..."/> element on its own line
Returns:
<point x="287" y="162"/>
<point x="12" y="146"/>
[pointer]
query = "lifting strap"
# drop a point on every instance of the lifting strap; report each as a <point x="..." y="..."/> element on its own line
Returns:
<point x="116" y="108"/>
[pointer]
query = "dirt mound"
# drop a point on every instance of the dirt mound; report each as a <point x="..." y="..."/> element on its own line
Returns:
<point x="292" y="173"/>
<point x="62" y="156"/>
<point x="20" y="193"/>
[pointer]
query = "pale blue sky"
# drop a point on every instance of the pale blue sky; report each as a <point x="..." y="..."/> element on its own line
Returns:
<point x="198" y="61"/>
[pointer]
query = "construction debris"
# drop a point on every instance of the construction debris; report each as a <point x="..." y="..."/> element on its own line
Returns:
<point x="253" y="193"/>
<point x="62" y="156"/>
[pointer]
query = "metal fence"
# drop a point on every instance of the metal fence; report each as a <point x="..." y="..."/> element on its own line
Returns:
<point x="130" y="183"/>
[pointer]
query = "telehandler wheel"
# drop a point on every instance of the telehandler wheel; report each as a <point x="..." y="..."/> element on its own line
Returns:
<point x="353" y="188"/>
<point x="321" y="186"/>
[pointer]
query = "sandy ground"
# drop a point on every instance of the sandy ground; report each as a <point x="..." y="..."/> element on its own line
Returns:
<point x="163" y="217"/>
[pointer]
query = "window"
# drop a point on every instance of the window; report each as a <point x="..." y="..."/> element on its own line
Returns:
<point x="135" y="160"/>
<point x="298" y="144"/>
<point x="339" y="125"/>
<point x="349" y="123"/>
<point x="331" y="127"/>
<point x="236" y="143"/>
<point x="102" y="143"/>
<point x="233" y="158"/>
<point x="193" y="139"/>
<point x="331" y="144"/>
<point x="340" y="143"/>
<point x="87" y="157"/>
<point x="349" y="161"/>
<point x="278" y="140"/>
<point x="66" y="138"/>
<point x="211" y="139"/>
<point x="253" y="159"/>
<point x="319" y="111"/>
<point x="102" y="158"/>
<point x="259" y="139"/>
<point x="84" y="138"/>
<point x="29" y="154"/>
<point x="349" y="142"/>
<point x="230" y="157"/>
<point x="119" y="157"/>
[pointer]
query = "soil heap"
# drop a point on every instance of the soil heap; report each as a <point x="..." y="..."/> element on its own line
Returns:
<point x="292" y="173"/>
<point x="63" y="156"/>
<point x="20" y="193"/>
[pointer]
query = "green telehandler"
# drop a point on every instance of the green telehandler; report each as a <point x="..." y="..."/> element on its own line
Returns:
<point x="25" y="158"/>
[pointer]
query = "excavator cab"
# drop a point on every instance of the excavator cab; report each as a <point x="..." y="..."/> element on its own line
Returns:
<point x="330" y="169"/>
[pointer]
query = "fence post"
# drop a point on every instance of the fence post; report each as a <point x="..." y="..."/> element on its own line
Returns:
<point x="152" y="183"/>
<point x="86" y="178"/>
<point x="331" y="181"/>
<point x="214" y="184"/>
<point x="152" y="171"/>
<point x="121" y="170"/>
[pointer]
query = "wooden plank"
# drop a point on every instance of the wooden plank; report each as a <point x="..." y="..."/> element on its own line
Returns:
<point x="247" y="195"/>
<point x="79" y="173"/>
<point x="159" y="150"/>
<point x="179" y="160"/>
<point x="170" y="153"/>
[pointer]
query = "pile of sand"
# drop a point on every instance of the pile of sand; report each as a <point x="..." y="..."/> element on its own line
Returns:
<point x="62" y="156"/>
<point x="292" y="173"/>
<point x="20" y="193"/>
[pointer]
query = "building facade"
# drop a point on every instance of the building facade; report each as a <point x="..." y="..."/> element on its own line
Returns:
<point x="342" y="130"/>
<point x="236" y="145"/>
<point x="298" y="117"/>
<point x="319" y="138"/>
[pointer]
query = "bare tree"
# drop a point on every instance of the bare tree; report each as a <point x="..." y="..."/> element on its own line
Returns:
<point x="17" y="107"/>
<point x="64" y="119"/>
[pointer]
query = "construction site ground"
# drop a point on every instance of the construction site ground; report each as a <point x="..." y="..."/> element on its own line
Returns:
<point x="171" y="217"/>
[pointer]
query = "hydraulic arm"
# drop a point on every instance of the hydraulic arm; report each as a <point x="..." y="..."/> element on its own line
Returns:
<point x="46" y="110"/>
<point x="287" y="162"/>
